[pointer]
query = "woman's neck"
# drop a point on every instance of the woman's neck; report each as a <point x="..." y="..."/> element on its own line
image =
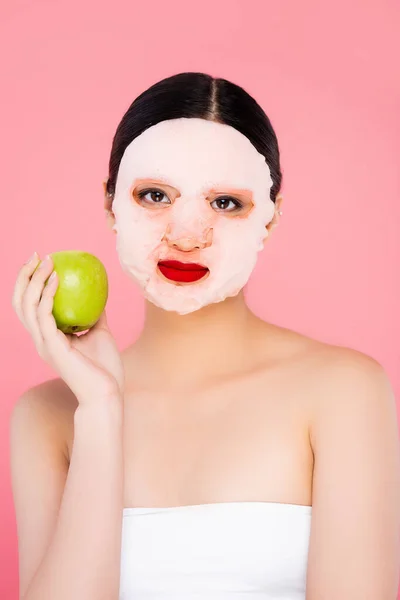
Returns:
<point x="183" y="349"/>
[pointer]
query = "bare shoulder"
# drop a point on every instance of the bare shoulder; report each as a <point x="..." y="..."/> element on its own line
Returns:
<point x="353" y="395"/>
<point x="336" y="366"/>
<point x="49" y="406"/>
<point x="332" y="378"/>
<point x="343" y="386"/>
<point x="346" y="377"/>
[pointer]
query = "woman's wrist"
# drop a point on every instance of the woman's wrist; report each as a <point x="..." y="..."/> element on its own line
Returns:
<point x="104" y="404"/>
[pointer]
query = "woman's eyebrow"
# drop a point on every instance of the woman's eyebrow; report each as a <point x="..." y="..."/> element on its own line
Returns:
<point x="154" y="180"/>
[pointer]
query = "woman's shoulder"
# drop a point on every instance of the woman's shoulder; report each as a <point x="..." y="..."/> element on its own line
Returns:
<point x="325" y="359"/>
<point x="52" y="397"/>
<point x="338" y="379"/>
<point x="48" y="407"/>
<point x="331" y="377"/>
<point x="341" y="365"/>
<point x="341" y="389"/>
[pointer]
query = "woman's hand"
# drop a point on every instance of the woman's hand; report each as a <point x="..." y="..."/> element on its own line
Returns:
<point x="90" y="364"/>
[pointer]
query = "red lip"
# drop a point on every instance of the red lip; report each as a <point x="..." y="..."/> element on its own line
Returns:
<point x="182" y="272"/>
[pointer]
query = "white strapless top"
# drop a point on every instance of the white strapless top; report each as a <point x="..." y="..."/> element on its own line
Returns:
<point x="232" y="550"/>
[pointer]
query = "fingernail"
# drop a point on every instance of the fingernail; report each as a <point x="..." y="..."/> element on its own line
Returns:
<point x="34" y="255"/>
<point x="44" y="261"/>
<point x="52" y="276"/>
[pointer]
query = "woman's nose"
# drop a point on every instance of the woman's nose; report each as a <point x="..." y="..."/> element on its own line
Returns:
<point x="188" y="243"/>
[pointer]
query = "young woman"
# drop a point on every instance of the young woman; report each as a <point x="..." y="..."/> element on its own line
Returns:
<point x="219" y="456"/>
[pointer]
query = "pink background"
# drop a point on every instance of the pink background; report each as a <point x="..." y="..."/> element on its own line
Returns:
<point x="325" y="73"/>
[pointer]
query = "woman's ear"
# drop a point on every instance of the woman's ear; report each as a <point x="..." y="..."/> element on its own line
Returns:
<point x="110" y="218"/>
<point x="277" y="216"/>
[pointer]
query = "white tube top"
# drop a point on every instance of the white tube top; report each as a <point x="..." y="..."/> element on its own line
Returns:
<point x="216" y="551"/>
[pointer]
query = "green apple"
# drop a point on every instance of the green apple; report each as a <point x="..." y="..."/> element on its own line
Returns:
<point x="82" y="290"/>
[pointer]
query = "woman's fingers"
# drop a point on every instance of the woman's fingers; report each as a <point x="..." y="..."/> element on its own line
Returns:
<point x="22" y="282"/>
<point x="45" y="320"/>
<point x="57" y="344"/>
<point x="31" y="299"/>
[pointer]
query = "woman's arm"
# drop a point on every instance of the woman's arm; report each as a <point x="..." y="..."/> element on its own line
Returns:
<point x="354" y="546"/>
<point x="69" y="521"/>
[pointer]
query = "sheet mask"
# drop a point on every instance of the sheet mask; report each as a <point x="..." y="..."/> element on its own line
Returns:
<point x="192" y="155"/>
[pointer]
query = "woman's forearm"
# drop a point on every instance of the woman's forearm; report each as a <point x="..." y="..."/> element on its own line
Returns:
<point x="82" y="561"/>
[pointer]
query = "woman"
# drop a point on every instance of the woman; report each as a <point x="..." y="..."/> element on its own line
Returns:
<point x="219" y="456"/>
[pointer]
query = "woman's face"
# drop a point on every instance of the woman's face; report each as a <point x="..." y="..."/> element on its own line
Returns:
<point x="191" y="206"/>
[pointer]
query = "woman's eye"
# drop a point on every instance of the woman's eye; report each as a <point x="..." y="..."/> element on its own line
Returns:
<point x="226" y="204"/>
<point x="154" y="197"/>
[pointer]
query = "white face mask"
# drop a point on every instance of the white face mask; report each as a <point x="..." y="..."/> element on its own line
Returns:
<point x="190" y="163"/>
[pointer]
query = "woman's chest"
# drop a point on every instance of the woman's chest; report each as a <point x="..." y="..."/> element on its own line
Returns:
<point x="229" y="443"/>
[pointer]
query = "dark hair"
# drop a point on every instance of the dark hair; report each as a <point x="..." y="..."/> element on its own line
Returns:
<point x="197" y="95"/>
